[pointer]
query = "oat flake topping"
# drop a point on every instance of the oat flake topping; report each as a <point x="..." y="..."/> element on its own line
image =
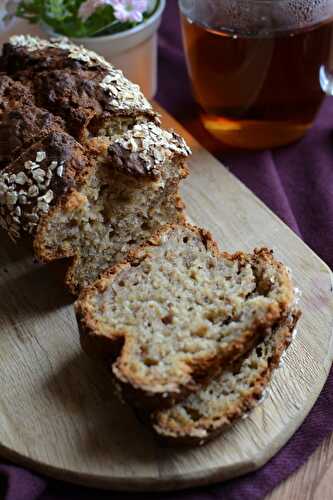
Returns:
<point x="153" y="145"/>
<point x="25" y="196"/>
<point x="124" y="95"/>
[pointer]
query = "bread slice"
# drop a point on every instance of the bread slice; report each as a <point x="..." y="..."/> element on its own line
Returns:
<point x="229" y="396"/>
<point x="178" y="310"/>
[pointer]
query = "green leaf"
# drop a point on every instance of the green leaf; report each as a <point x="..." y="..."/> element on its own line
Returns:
<point x="29" y="9"/>
<point x="56" y="9"/>
<point x="101" y="18"/>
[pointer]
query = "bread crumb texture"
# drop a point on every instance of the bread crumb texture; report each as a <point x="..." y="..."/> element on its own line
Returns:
<point x="229" y="396"/>
<point x="183" y="308"/>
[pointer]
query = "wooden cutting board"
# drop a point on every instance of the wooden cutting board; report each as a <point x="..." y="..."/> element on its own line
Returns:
<point x="57" y="414"/>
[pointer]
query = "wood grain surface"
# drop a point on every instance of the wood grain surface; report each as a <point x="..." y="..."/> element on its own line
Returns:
<point x="57" y="413"/>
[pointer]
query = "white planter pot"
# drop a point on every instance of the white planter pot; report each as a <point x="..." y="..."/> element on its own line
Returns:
<point x="133" y="51"/>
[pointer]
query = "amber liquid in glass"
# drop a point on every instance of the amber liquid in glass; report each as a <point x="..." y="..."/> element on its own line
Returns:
<point x="257" y="92"/>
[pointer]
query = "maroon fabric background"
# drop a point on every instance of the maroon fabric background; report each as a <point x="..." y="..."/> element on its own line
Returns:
<point x="297" y="183"/>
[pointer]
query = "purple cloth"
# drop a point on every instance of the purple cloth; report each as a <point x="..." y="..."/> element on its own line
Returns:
<point x="297" y="183"/>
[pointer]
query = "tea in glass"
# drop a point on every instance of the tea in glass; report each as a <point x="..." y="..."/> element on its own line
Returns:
<point x="259" y="69"/>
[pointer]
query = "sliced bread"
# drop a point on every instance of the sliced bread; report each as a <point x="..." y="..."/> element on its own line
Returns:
<point x="229" y="396"/>
<point x="177" y="310"/>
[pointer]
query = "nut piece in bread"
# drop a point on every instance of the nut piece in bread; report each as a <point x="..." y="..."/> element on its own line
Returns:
<point x="178" y="310"/>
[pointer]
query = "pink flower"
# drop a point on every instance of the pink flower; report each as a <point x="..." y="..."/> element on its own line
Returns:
<point x="124" y="10"/>
<point x="88" y="7"/>
<point x="129" y="10"/>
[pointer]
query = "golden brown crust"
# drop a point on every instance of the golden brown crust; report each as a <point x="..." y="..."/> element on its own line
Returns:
<point x="201" y="374"/>
<point x="135" y="389"/>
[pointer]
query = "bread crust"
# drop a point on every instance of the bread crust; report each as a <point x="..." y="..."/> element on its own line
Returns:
<point x="22" y="126"/>
<point x="98" y="341"/>
<point x="145" y="157"/>
<point x="74" y="82"/>
<point x="39" y="179"/>
<point x="13" y="93"/>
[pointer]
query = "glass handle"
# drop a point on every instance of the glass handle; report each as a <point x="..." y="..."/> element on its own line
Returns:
<point x="326" y="80"/>
<point x="326" y="74"/>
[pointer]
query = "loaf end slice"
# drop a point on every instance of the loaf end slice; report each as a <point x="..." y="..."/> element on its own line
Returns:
<point x="178" y="310"/>
<point x="229" y="396"/>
